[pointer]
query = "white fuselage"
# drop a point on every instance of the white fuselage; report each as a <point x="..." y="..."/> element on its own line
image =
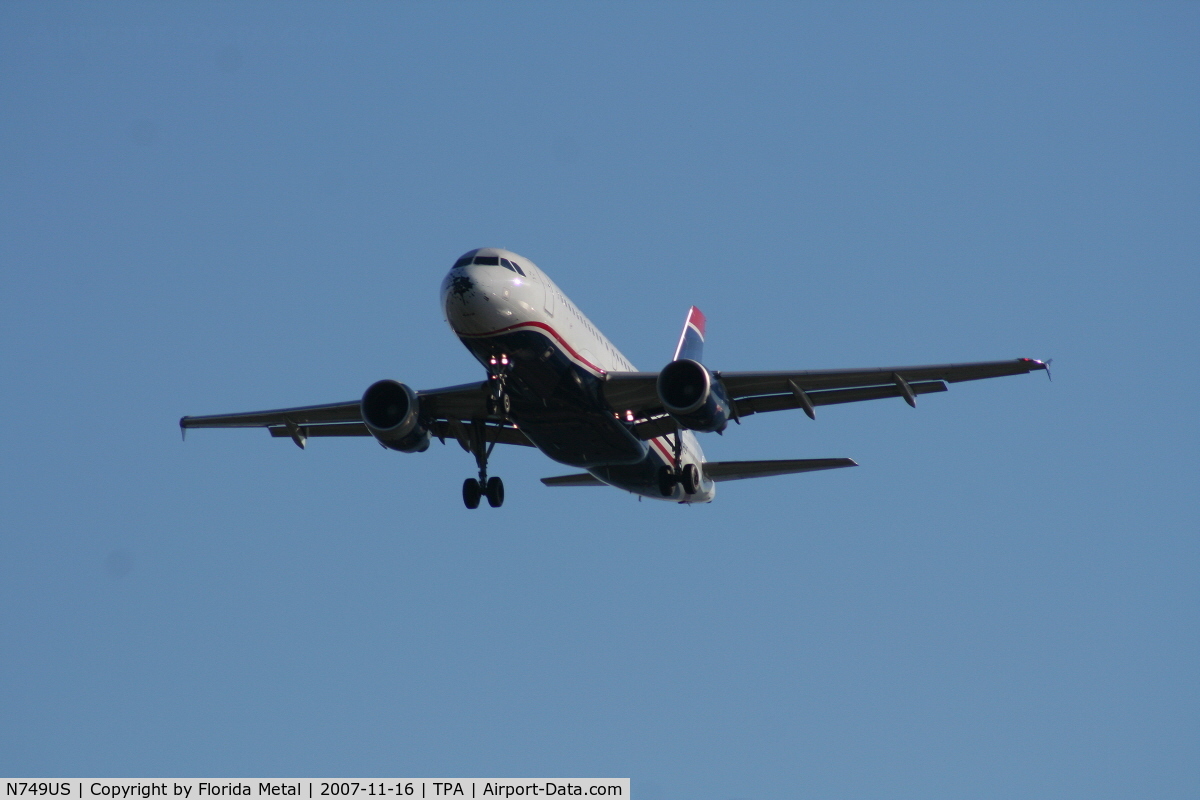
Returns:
<point x="558" y="362"/>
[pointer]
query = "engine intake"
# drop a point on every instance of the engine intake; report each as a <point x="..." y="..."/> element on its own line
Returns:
<point x="392" y="415"/>
<point x="691" y="396"/>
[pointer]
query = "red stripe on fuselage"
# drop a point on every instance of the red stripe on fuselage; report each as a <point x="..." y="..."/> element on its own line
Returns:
<point x="532" y="324"/>
<point x="662" y="448"/>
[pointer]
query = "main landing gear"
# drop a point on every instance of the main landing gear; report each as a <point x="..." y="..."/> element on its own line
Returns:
<point x="499" y="404"/>
<point x="688" y="477"/>
<point x="491" y="488"/>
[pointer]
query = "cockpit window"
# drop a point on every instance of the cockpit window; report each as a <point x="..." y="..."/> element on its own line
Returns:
<point x="489" y="261"/>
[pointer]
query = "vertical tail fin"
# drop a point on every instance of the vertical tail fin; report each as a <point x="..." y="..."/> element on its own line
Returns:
<point x="691" y="341"/>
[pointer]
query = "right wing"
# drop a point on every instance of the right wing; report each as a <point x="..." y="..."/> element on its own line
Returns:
<point x="756" y="392"/>
<point x="448" y="412"/>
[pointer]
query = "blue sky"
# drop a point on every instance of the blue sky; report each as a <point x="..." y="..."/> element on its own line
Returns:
<point x="226" y="207"/>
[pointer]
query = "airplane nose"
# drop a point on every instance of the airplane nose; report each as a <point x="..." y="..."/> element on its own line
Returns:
<point x="457" y="284"/>
<point x="476" y="299"/>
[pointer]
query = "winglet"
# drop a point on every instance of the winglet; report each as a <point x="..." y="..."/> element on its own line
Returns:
<point x="183" y="427"/>
<point x="691" y="341"/>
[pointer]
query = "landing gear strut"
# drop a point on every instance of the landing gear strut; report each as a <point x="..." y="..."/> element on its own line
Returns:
<point x="499" y="404"/>
<point x="491" y="488"/>
<point x="688" y="476"/>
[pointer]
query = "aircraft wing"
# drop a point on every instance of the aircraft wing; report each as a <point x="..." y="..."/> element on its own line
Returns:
<point x="448" y="412"/>
<point x="755" y="392"/>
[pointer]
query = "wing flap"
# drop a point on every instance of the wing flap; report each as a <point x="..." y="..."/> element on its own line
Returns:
<point x="310" y="431"/>
<point x="748" y="384"/>
<point x="440" y="428"/>
<point x="500" y="434"/>
<point x="301" y="415"/>
<point x="740" y="470"/>
<point x="827" y="397"/>
<point x="756" y="392"/>
<point x="445" y="410"/>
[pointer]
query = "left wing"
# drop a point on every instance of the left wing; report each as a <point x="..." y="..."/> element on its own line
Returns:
<point x="448" y="412"/>
<point x="755" y="392"/>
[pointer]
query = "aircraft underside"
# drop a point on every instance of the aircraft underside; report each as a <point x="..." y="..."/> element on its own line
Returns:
<point x="559" y="406"/>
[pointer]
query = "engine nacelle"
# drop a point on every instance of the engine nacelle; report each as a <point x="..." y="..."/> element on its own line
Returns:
<point x="691" y="396"/>
<point x="390" y="411"/>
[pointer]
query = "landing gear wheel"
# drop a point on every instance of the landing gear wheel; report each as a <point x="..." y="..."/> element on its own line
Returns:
<point x="666" y="481"/>
<point x="690" y="479"/>
<point x="471" y="493"/>
<point x="495" y="492"/>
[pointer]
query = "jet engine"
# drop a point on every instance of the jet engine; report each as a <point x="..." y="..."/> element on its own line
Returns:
<point x="390" y="411"/>
<point x="691" y="396"/>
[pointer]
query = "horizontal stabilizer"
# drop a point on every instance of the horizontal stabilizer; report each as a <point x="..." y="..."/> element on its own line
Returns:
<point x="582" y="479"/>
<point x="739" y="470"/>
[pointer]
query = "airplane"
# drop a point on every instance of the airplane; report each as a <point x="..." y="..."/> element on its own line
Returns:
<point x="555" y="382"/>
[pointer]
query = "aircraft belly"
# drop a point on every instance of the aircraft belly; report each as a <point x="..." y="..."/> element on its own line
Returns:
<point x="584" y="442"/>
<point x="640" y="478"/>
<point x="557" y="403"/>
